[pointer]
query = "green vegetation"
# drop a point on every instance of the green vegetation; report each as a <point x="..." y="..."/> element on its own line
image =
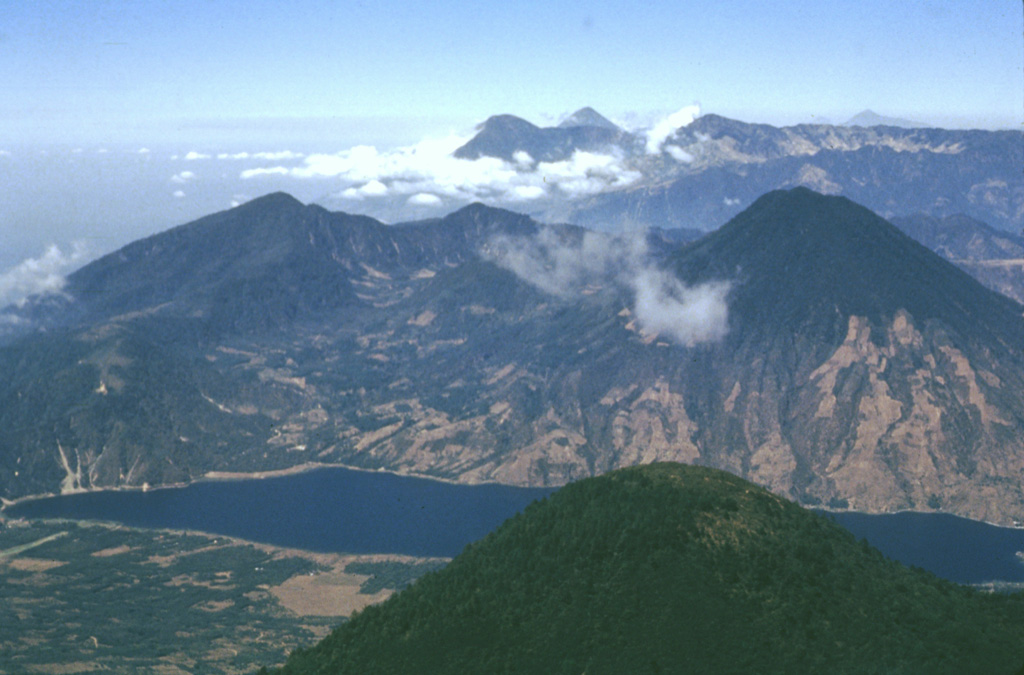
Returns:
<point x="668" y="568"/>
<point x="128" y="601"/>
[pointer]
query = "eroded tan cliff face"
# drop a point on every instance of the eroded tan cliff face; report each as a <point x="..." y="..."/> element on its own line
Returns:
<point x="895" y="418"/>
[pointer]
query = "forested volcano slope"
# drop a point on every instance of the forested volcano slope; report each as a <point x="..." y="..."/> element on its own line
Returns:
<point x="669" y="568"/>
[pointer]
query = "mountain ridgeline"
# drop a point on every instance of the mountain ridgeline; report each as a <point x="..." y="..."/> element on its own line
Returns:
<point x="667" y="568"/>
<point x="893" y="171"/>
<point x="859" y="369"/>
<point x="701" y="174"/>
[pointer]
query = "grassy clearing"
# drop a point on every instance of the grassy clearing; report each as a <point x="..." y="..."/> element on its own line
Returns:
<point x="18" y="550"/>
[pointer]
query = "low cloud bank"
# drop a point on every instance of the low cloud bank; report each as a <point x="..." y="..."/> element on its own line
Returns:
<point x="427" y="174"/>
<point x="567" y="262"/>
<point x="38" y="276"/>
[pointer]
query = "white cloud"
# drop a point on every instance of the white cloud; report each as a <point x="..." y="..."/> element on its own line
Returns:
<point x="587" y="173"/>
<point x="272" y="171"/>
<point x="373" y="188"/>
<point x="687" y="315"/>
<point x="144" y="151"/>
<point x="424" y="199"/>
<point x="182" y="177"/>
<point x="659" y="133"/>
<point x="5" y="153"/>
<point x="429" y="168"/>
<point x="527" y="192"/>
<point x="522" y="158"/>
<point x="564" y="263"/>
<point x="679" y="154"/>
<point x="178" y="194"/>
<point x="193" y="155"/>
<point x="268" y="156"/>
<point x="37" y="276"/>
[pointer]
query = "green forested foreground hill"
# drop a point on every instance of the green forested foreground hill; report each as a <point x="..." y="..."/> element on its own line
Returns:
<point x="671" y="568"/>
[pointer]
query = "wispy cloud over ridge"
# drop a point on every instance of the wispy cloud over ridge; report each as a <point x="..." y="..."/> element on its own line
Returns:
<point x="660" y="132"/>
<point x="38" y="276"/>
<point x="565" y="264"/>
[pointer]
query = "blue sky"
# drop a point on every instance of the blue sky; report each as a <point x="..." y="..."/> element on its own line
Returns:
<point x="120" y="119"/>
<point x="106" y="71"/>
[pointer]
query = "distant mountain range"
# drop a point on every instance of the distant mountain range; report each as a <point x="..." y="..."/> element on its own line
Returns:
<point x="670" y="569"/>
<point x="808" y="345"/>
<point x="700" y="175"/>
<point x="894" y="172"/>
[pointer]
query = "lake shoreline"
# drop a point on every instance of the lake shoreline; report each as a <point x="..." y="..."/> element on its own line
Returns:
<point x="306" y="467"/>
<point x="313" y="508"/>
<point x="236" y="476"/>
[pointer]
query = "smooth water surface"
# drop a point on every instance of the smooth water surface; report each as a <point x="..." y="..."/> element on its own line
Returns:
<point x="958" y="549"/>
<point x="328" y="510"/>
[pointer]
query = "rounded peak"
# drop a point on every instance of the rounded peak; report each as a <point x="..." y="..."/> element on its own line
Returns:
<point x="506" y="121"/>
<point x="273" y="200"/>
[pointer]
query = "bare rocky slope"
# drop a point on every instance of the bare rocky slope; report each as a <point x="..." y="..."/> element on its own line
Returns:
<point x="859" y="369"/>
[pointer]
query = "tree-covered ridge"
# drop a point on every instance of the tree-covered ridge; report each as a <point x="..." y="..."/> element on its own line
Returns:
<point x="671" y="568"/>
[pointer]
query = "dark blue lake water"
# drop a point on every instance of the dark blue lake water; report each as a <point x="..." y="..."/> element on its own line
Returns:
<point x="341" y="510"/>
<point x="958" y="549"/>
<point x="327" y="510"/>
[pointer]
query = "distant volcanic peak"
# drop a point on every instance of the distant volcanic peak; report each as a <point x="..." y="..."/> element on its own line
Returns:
<point x="499" y="136"/>
<point x="588" y="117"/>
<point x="869" y="118"/>
<point x="506" y="123"/>
<point x="515" y="140"/>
